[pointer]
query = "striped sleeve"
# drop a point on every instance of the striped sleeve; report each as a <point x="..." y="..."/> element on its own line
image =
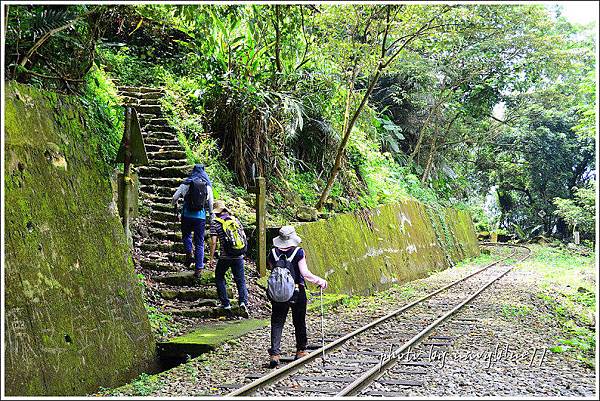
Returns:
<point x="214" y="229"/>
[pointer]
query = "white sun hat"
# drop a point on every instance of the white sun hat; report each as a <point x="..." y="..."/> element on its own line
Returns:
<point x="287" y="237"/>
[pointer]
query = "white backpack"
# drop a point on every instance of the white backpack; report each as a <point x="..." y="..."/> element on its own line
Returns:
<point x="281" y="284"/>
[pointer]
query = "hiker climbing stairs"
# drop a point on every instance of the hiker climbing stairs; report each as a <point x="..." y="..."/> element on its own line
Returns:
<point x="160" y="249"/>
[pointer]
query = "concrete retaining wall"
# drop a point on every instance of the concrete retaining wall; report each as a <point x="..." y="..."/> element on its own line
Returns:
<point x="74" y="313"/>
<point x="368" y="251"/>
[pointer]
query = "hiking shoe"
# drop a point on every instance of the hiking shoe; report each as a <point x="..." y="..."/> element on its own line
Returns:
<point x="244" y="310"/>
<point x="300" y="354"/>
<point x="228" y="307"/>
<point x="197" y="273"/>
<point x="274" y="362"/>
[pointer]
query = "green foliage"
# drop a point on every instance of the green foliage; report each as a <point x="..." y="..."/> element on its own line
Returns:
<point x="305" y="185"/>
<point x="510" y="311"/>
<point x="540" y="153"/>
<point x="53" y="46"/>
<point x="577" y="338"/>
<point x="579" y="212"/>
<point x="272" y="88"/>
<point x="105" y="114"/>
<point x="586" y="126"/>
<point x="352" y="302"/>
<point x="480" y="260"/>
<point x="569" y="292"/>
<point x="159" y="321"/>
<point x="145" y="385"/>
<point x="130" y="69"/>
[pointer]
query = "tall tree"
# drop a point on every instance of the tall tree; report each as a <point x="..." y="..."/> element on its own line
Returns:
<point x="376" y="42"/>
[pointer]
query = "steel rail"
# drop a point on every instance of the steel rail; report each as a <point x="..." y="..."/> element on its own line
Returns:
<point x="377" y="371"/>
<point x="292" y="367"/>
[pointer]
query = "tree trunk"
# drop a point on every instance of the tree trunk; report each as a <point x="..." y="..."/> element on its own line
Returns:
<point x="381" y="65"/>
<point x="6" y="19"/>
<point x="429" y="160"/>
<point x="340" y="152"/>
<point x="277" y="41"/>
<point x="434" y="109"/>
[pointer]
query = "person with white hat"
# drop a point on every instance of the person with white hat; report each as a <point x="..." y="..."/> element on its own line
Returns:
<point x="286" y="245"/>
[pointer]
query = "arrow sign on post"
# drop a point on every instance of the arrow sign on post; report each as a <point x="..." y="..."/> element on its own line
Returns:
<point x="132" y="150"/>
<point x="133" y="142"/>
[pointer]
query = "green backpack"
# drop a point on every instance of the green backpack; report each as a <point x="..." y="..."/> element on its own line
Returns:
<point x="236" y="243"/>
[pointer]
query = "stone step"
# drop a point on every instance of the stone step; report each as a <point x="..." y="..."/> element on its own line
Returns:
<point x="186" y="279"/>
<point x="164" y="235"/>
<point x="165" y="247"/>
<point x="137" y="95"/>
<point x="167" y="154"/>
<point x="207" y="338"/>
<point x="166" y="225"/>
<point x="159" y="204"/>
<point x="168" y="163"/>
<point x="161" y="182"/>
<point x="156" y="190"/>
<point x="176" y="258"/>
<point x="151" y="147"/>
<point x="152" y="95"/>
<point x="139" y="89"/>
<point x="149" y="140"/>
<point x="193" y="304"/>
<point x="149" y="136"/>
<point x="206" y="312"/>
<point x="158" y="265"/>
<point x="136" y="101"/>
<point x="168" y="157"/>
<point x="163" y="216"/>
<point x="151" y="198"/>
<point x="127" y="100"/>
<point x="159" y="121"/>
<point x="154" y="128"/>
<point x="148" y="190"/>
<point x="155" y="110"/>
<point x="176" y="172"/>
<point x="161" y="207"/>
<point x="161" y="163"/>
<point x="192" y="294"/>
<point x="145" y="118"/>
<point x="149" y="102"/>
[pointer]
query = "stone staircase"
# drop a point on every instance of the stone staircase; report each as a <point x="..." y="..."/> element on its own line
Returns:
<point x="160" y="249"/>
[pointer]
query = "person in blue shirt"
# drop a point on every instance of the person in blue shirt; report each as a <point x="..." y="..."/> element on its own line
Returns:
<point x="194" y="221"/>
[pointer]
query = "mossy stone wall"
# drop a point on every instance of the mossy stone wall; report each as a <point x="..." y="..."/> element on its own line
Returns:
<point x="74" y="314"/>
<point x="367" y="251"/>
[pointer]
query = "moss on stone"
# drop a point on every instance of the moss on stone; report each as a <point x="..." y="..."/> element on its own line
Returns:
<point x="368" y="251"/>
<point x="221" y="332"/>
<point x="207" y="338"/>
<point x="74" y="315"/>
<point x="329" y="301"/>
<point x="187" y="278"/>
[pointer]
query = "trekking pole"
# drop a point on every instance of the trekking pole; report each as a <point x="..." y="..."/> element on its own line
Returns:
<point x="322" y="328"/>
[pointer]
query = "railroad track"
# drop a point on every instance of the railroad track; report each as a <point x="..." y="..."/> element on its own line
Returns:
<point x="374" y="356"/>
